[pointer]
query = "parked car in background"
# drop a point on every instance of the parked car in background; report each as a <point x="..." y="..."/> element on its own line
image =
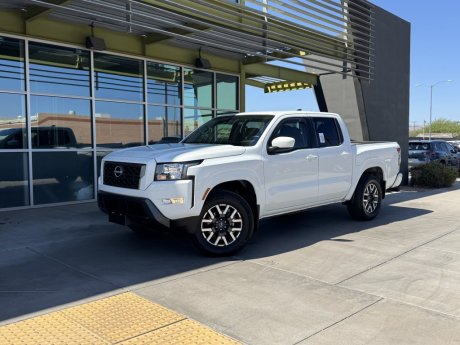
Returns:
<point x="425" y="151"/>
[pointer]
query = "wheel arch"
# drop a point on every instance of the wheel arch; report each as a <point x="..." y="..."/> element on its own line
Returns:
<point x="379" y="174"/>
<point x="376" y="171"/>
<point x="243" y="188"/>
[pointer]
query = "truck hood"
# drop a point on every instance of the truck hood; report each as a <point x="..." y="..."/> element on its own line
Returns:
<point x="166" y="153"/>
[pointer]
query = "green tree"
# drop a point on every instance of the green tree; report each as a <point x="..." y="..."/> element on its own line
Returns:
<point x="440" y="126"/>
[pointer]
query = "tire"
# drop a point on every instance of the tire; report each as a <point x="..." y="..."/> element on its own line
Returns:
<point x="226" y="224"/>
<point x="367" y="199"/>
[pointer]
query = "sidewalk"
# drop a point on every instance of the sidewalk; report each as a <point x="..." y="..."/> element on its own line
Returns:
<point x="312" y="278"/>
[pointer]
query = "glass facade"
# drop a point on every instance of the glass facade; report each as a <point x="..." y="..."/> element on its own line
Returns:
<point x="164" y="123"/>
<point x="227" y="91"/>
<point x="198" y="88"/>
<point x="59" y="71"/>
<point x="64" y="109"/>
<point x="14" y="175"/>
<point x="59" y="122"/>
<point x="119" y="125"/>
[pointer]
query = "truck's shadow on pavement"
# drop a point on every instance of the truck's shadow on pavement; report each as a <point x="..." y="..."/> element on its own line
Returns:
<point x="63" y="265"/>
<point x="291" y="232"/>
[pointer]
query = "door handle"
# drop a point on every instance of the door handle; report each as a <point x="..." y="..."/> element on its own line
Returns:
<point x="345" y="153"/>
<point x="311" y="157"/>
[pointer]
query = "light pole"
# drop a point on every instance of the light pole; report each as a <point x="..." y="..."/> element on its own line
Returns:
<point x="431" y="99"/>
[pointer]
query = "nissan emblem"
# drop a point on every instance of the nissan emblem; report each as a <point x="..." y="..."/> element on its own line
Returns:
<point x="118" y="171"/>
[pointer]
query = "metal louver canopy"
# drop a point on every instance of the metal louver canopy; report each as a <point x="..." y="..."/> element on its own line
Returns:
<point x="333" y="36"/>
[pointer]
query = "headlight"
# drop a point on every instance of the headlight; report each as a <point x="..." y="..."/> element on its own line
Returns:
<point x="173" y="171"/>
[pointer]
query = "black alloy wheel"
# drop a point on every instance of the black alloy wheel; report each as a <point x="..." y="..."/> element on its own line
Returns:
<point x="367" y="199"/>
<point x="226" y="224"/>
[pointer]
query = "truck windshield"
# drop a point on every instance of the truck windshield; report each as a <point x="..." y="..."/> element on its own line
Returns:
<point x="238" y="130"/>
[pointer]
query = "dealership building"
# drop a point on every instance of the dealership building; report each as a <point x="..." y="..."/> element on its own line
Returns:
<point x="82" y="78"/>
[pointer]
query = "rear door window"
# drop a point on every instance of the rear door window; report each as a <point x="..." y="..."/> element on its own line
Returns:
<point x="419" y="146"/>
<point x="328" y="131"/>
<point x="437" y="147"/>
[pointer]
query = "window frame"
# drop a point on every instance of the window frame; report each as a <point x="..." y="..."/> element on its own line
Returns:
<point x="337" y="128"/>
<point x="309" y="130"/>
<point x="27" y="92"/>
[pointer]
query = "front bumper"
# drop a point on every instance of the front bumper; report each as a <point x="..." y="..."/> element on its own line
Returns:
<point x="126" y="210"/>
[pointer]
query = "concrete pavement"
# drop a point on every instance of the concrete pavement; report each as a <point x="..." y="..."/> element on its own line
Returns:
<point x="316" y="277"/>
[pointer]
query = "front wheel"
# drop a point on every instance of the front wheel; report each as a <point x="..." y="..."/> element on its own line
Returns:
<point x="226" y="224"/>
<point x="367" y="199"/>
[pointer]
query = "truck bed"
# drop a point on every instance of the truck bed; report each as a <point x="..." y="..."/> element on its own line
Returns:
<point x="357" y="142"/>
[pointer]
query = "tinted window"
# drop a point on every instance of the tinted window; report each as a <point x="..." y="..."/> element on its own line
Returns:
<point x="119" y="124"/>
<point x="14" y="174"/>
<point x="194" y="118"/>
<point x="52" y="137"/>
<point x="164" y="84"/>
<point x="227" y="91"/>
<point x="198" y="88"/>
<point x="117" y="77"/>
<point x="11" y="64"/>
<point x="164" y="122"/>
<point x="294" y="128"/>
<point x="68" y="117"/>
<point x="59" y="70"/>
<point x="419" y="146"/>
<point x="62" y="176"/>
<point x="327" y="130"/>
<point x="13" y="134"/>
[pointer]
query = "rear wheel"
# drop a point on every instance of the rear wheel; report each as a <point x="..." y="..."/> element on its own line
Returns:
<point x="226" y="224"/>
<point x="367" y="199"/>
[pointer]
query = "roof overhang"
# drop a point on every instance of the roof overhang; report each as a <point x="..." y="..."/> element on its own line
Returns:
<point x="335" y="36"/>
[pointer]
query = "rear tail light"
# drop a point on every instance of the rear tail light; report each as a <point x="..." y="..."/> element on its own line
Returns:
<point x="399" y="155"/>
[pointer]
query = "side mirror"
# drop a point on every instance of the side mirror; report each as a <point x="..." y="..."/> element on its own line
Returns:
<point x="281" y="144"/>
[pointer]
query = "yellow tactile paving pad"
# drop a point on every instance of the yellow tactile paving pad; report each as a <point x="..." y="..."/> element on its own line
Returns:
<point x="121" y="319"/>
<point x="122" y="316"/>
<point x="52" y="328"/>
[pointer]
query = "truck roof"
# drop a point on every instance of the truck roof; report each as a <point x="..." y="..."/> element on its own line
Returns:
<point x="288" y="112"/>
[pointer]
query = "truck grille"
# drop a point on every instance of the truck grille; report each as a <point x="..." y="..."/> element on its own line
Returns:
<point x="124" y="175"/>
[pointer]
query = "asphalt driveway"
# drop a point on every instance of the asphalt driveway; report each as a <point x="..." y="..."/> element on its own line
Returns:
<point x="316" y="277"/>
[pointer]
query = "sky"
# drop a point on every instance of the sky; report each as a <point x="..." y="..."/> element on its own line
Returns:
<point x="435" y="51"/>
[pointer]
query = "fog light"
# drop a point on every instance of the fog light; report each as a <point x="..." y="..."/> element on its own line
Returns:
<point x="173" y="201"/>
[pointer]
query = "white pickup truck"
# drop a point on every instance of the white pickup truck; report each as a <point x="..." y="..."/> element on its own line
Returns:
<point x="234" y="170"/>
